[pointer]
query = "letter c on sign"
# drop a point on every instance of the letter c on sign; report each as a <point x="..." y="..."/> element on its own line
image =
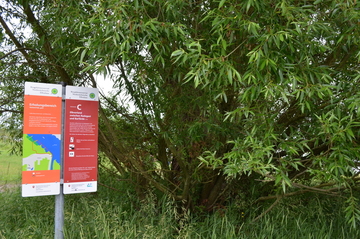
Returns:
<point x="78" y="106"/>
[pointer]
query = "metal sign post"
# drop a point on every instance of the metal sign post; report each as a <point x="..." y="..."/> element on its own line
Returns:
<point x="59" y="214"/>
<point x="59" y="199"/>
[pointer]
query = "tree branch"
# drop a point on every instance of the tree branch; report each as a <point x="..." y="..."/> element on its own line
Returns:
<point x="47" y="45"/>
<point x="137" y="101"/>
<point x="21" y="49"/>
<point x="314" y="189"/>
<point x="278" y="198"/>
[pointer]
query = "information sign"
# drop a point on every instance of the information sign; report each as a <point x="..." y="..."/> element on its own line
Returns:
<point x="81" y="140"/>
<point x="41" y="163"/>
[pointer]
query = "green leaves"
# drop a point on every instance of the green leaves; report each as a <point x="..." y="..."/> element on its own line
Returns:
<point x="352" y="211"/>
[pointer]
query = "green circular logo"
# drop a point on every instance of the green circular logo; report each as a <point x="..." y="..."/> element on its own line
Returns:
<point x="92" y="95"/>
<point x="54" y="91"/>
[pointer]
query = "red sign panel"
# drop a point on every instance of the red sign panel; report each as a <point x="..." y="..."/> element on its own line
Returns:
<point x="81" y="140"/>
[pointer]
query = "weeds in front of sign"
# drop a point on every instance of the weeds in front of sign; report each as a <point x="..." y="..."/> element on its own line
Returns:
<point x="119" y="215"/>
<point x="25" y="217"/>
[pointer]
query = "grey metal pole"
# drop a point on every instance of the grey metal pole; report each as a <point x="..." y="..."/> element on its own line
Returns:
<point x="59" y="214"/>
<point x="59" y="199"/>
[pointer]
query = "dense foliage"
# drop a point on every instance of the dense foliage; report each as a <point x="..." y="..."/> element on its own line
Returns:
<point x="247" y="100"/>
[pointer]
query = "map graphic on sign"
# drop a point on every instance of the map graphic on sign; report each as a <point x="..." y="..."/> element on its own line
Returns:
<point x="41" y="152"/>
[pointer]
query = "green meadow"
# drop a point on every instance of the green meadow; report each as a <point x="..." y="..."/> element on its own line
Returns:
<point x="10" y="166"/>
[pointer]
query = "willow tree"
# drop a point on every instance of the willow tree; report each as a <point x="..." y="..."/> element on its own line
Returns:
<point x="257" y="97"/>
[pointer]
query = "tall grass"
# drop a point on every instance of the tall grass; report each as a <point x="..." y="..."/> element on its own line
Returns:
<point x="25" y="217"/>
<point x="318" y="219"/>
<point x="119" y="215"/>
